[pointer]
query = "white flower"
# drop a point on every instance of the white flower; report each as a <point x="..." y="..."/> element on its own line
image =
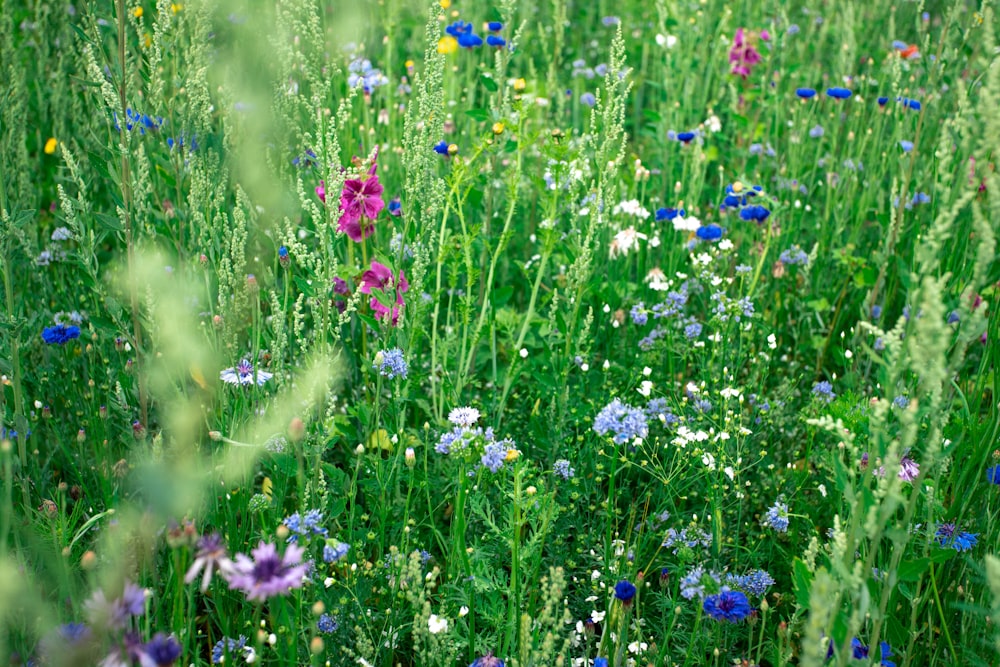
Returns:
<point x="713" y="124"/>
<point x="463" y="611"/>
<point x="708" y="460"/>
<point x="667" y="41"/>
<point x="730" y="473"/>
<point x="437" y="624"/>
<point x="686" y="223"/>
<point x="597" y="616"/>
<point x="624" y="241"/>
<point x="463" y="416"/>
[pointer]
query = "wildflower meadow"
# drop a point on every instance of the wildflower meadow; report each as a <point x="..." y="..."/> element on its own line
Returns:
<point x="499" y="333"/>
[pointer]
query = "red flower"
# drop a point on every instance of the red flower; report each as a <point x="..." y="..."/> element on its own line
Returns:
<point x="380" y="278"/>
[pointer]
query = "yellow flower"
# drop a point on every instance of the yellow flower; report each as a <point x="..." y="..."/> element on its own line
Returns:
<point x="50" y="146"/>
<point x="512" y="455"/>
<point x="452" y="149"/>
<point x="520" y="84"/>
<point x="737" y="187"/>
<point x="176" y="7"/>
<point x="445" y="4"/>
<point x="497" y="128"/>
<point x="447" y="44"/>
<point x="137" y="12"/>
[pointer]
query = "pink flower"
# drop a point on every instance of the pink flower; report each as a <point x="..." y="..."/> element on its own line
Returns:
<point x="380" y="278"/>
<point x="743" y="55"/>
<point x="321" y="191"/>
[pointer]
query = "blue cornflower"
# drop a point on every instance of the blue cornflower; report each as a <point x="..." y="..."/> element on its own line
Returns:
<point x="588" y="99"/>
<point x="600" y="662"/>
<point x="327" y="624"/>
<point x="948" y="535"/>
<point x="495" y="41"/>
<point x="805" y="93"/>
<point x="754" y="212"/>
<point x="563" y="469"/>
<point x="824" y="390"/>
<point x="469" y="40"/>
<point x="731" y="606"/>
<point x="441" y="147"/>
<point x="494" y="26"/>
<point x="907" y="146"/>
<point x="777" y="517"/>
<point x="860" y="652"/>
<point x="816" y="132"/>
<point x="685" y="137"/>
<point x="993" y="474"/>
<point x="162" y="650"/>
<point x="709" y="232"/>
<point x="625" y="591"/>
<point x="395" y="207"/>
<point x="623" y="420"/>
<point x="60" y="334"/>
<point x="391" y="364"/>
<point x="882" y="101"/>
<point x="876" y="311"/>
<point x="838" y="93"/>
<point x="909" y="104"/>
<point x="669" y="213"/>
<point x="953" y="317"/>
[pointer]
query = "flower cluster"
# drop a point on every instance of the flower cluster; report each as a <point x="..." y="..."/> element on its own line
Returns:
<point x="623" y="421"/>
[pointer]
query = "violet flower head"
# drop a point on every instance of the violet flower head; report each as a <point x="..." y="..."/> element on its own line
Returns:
<point x="267" y="574"/>
<point x="360" y="199"/>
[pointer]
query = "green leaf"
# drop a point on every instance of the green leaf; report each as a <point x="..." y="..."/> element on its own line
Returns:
<point x="482" y="115"/>
<point x="109" y="221"/>
<point x="802" y="579"/>
<point x="488" y="83"/>
<point x="305" y="286"/>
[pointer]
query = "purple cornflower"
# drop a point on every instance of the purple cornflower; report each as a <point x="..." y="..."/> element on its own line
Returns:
<point x="623" y="420"/>
<point x="116" y="613"/>
<point x="488" y="660"/>
<point x="267" y="574"/>
<point x="162" y="650"/>
<point x="211" y="554"/>
<point x="728" y="605"/>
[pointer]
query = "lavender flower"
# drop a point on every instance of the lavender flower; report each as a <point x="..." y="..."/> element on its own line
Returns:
<point x="211" y="554"/>
<point x="777" y="517"/>
<point x="563" y="469"/>
<point x="267" y="574"/>
<point x="332" y="552"/>
<point x="755" y="582"/>
<point x="327" y="624"/>
<point x="229" y="647"/>
<point x="824" y="391"/>
<point x="494" y="455"/>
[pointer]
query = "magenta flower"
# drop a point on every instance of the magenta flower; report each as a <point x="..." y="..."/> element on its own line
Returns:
<point x="360" y="198"/>
<point x="267" y="574"/>
<point x="321" y="191"/>
<point x="743" y="55"/>
<point x="379" y="277"/>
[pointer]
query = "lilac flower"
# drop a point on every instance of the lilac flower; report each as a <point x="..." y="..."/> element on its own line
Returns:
<point x="563" y="469"/>
<point x="391" y="364"/>
<point x="228" y="647"/>
<point x="625" y="421"/>
<point x="588" y="99"/>
<point x="794" y="256"/>
<point x="494" y="455"/>
<point x="333" y="552"/>
<point x="211" y="554"/>
<point x="824" y="391"/>
<point x="777" y="517"/>
<point x="267" y="574"/>
<point x="728" y="605"/>
<point x="639" y="314"/>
